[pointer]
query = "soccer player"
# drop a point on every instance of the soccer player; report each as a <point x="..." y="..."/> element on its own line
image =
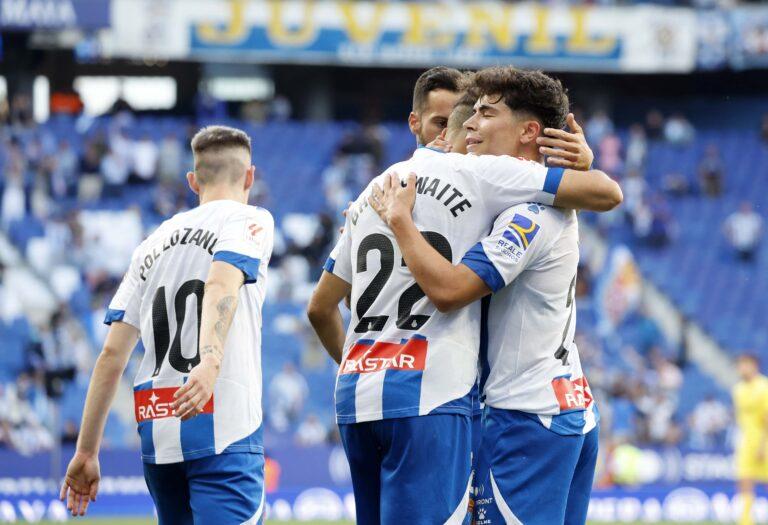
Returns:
<point x="750" y="401"/>
<point x="539" y="437"/>
<point x="403" y="400"/>
<point x="193" y="293"/>
<point x="434" y="95"/>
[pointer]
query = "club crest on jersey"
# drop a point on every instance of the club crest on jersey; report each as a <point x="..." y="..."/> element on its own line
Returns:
<point x="367" y="356"/>
<point x="156" y="403"/>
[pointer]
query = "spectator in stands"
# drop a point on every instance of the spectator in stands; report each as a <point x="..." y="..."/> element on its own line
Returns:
<point x="14" y="203"/>
<point x="637" y="148"/>
<point x="21" y="111"/>
<point x="678" y="130"/>
<point x="145" y="155"/>
<point x="338" y="191"/>
<point x="711" y="172"/>
<point x="69" y="433"/>
<point x="609" y="158"/>
<point x="652" y="223"/>
<point x="764" y="128"/>
<point x="280" y="109"/>
<point x="598" y="127"/>
<point x="170" y="161"/>
<point x="64" y="174"/>
<point x="634" y="187"/>
<point x="743" y="229"/>
<point x="287" y="392"/>
<point x="708" y="423"/>
<point x="311" y="432"/>
<point x="654" y="125"/>
<point x="676" y="184"/>
<point x="114" y="171"/>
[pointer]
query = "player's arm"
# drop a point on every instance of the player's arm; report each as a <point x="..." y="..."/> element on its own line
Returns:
<point x="244" y="246"/>
<point x="568" y="182"/>
<point x="219" y="306"/>
<point x="587" y="190"/>
<point x="333" y="286"/>
<point x="81" y="482"/>
<point x="447" y="286"/>
<point x="324" y="315"/>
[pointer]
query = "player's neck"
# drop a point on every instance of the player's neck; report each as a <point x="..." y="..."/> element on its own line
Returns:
<point x="221" y="194"/>
<point x="530" y="152"/>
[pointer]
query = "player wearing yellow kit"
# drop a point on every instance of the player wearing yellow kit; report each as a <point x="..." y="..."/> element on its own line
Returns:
<point x="750" y="401"/>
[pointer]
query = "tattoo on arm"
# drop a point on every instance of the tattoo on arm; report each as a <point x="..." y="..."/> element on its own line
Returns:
<point x="213" y="350"/>
<point x="226" y="309"/>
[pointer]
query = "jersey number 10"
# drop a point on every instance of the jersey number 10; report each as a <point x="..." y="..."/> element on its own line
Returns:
<point x="162" y="330"/>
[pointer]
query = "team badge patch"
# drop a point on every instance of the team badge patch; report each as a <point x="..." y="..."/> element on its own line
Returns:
<point x="521" y="231"/>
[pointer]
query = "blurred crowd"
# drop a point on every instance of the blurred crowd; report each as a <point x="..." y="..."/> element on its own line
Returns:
<point x="647" y="207"/>
<point x="73" y="195"/>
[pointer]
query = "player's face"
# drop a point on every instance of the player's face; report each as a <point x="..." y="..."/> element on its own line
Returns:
<point x="747" y="368"/>
<point x="434" y="118"/>
<point x="493" y="129"/>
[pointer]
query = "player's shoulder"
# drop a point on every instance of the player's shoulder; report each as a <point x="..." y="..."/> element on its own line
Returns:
<point x="491" y="161"/>
<point x="232" y="210"/>
<point x="534" y="214"/>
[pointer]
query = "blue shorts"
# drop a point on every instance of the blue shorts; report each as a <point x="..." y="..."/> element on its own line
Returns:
<point x="223" y="489"/>
<point x="528" y="474"/>
<point x="413" y="470"/>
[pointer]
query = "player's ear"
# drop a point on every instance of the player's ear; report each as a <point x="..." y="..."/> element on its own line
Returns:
<point x="530" y="130"/>
<point x="414" y="123"/>
<point x="192" y="181"/>
<point x="443" y="133"/>
<point x="249" y="176"/>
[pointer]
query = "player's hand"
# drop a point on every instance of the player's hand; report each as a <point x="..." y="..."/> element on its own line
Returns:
<point x="190" y="399"/>
<point x="566" y="149"/>
<point x="395" y="200"/>
<point x="440" y="143"/>
<point x="81" y="483"/>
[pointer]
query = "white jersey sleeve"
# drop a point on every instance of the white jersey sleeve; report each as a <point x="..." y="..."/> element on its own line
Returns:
<point x="245" y="241"/>
<point x="511" y="180"/>
<point x="125" y="304"/>
<point x="518" y="239"/>
<point x="339" y="262"/>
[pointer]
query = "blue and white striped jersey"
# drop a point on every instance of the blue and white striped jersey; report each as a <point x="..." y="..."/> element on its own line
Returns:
<point x="161" y="295"/>
<point x="402" y="357"/>
<point x="530" y="362"/>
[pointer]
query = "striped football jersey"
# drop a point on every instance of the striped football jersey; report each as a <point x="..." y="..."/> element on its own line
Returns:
<point x="402" y="357"/>
<point x="161" y="295"/>
<point x="529" y="361"/>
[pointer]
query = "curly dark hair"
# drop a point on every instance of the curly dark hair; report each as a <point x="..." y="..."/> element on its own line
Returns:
<point x="533" y="92"/>
<point x="436" y="78"/>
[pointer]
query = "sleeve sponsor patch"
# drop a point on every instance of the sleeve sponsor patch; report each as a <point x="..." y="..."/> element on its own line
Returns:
<point x="254" y="232"/>
<point x="518" y="235"/>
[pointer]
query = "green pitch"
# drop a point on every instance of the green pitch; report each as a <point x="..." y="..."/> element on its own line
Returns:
<point x="140" y="521"/>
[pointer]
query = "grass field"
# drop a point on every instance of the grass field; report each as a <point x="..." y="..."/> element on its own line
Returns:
<point x="141" y="521"/>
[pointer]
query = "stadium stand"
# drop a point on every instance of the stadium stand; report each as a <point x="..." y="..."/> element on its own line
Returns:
<point x="76" y="232"/>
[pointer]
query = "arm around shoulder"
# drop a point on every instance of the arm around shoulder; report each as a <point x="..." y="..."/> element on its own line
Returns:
<point x="588" y="190"/>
